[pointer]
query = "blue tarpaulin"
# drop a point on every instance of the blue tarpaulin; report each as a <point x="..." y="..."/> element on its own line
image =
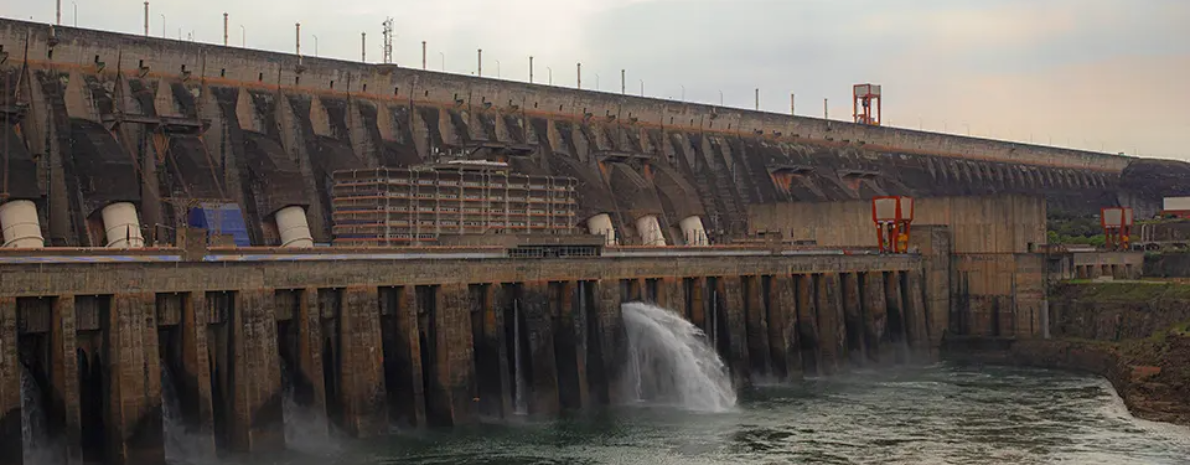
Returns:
<point x="221" y="219"/>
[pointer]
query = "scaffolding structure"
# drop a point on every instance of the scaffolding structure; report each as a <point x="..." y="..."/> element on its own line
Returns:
<point x="415" y="206"/>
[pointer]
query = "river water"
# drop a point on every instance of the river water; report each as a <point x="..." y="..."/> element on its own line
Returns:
<point x="931" y="415"/>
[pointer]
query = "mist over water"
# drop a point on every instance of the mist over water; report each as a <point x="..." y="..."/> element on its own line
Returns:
<point x="182" y="445"/>
<point x="671" y="363"/>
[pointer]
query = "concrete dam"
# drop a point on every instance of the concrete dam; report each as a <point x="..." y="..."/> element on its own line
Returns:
<point x="514" y="219"/>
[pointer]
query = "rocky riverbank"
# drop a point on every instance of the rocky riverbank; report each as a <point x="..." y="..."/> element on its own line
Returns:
<point x="1137" y="335"/>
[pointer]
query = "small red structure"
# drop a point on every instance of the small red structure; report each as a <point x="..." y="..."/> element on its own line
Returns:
<point x="1117" y="227"/>
<point x="861" y="106"/>
<point x="892" y="216"/>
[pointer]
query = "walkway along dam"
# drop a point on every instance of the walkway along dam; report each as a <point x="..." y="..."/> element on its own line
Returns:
<point x="394" y="247"/>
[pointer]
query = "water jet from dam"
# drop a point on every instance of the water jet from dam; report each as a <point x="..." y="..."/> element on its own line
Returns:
<point x="671" y="362"/>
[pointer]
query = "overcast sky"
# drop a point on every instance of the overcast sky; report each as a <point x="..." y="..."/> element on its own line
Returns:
<point x="1109" y="75"/>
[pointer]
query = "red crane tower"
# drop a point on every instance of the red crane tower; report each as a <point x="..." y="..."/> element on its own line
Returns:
<point x="861" y="106"/>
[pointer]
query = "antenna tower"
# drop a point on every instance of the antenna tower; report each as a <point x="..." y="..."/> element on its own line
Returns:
<point x="388" y="40"/>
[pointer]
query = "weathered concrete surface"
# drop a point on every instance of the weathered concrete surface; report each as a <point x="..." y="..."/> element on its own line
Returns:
<point x="11" y="447"/>
<point x="402" y="357"/>
<point x="361" y="363"/>
<point x="832" y="330"/>
<point x="134" y="385"/>
<point x="267" y="111"/>
<point x="256" y="423"/>
<point x="808" y="324"/>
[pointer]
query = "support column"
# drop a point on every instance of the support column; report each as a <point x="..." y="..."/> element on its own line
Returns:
<point x="402" y="358"/>
<point x="132" y="376"/>
<point x="308" y="319"/>
<point x="255" y="423"/>
<point x="671" y="294"/>
<point x="493" y="382"/>
<point x="11" y="444"/>
<point x="783" y="340"/>
<point x="195" y="382"/>
<point x="760" y="362"/>
<point x="698" y="303"/>
<point x="831" y="330"/>
<point x="453" y="333"/>
<point x="361" y="383"/>
<point x="737" y="328"/>
<point x="608" y="343"/>
<point x="874" y="311"/>
<point x="807" y="324"/>
<point x="570" y="343"/>
<point x="853" y="321"/>
<point x="64" y="384"/>
<point x="536" y="305"/>
<point x="894" y="300"/>
<point x="915" y="315"/>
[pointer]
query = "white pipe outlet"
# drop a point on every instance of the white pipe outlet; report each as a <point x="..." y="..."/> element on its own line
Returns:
<point x="294" y="229"/>
<point x="22" y="230"/>
<point x="650" y="231"/>
<point x="693" y="231"/>
<point x="602" y="224"/>
<point x="122" y="226"/>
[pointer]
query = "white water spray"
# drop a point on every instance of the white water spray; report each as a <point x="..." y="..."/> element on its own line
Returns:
<point x="306" y="428"/>
<point x="521" y="404"/>
<point x="182" y="445"/>
<point x="671" y="362"/>
<point x="37" y="448"/>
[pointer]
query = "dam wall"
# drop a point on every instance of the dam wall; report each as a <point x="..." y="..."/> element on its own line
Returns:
<point x="983" y="267"/>
<point x="372" y="339"/>
<point x="100" y="117"/>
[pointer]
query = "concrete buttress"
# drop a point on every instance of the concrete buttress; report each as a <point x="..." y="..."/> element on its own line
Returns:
<point x="361" y="363"/>
<point x="737" y="357"/>
<point x="64" y="379"/>
<point x="454" y="372"/>
<point x="133" y="382"/>
<point x="402" y="357"/>
<point x="759" y="357"/>
<point x="783" y="340"/>
<point x="570" y="348"/>
<point x="831" y="331"/>
<point x="255" y="419"/>
<point x="807" y="324"/>
<point x="538" y="317"/>
<point x="11" y="446"/>
<point x="875" y="313"/>
<point x="853" y="319"/>
<point x="493" y="383"/>
<point x="896" y="336"/>
<point x="915" y="314"/>
<point x="194" y="384"/>
<point x="608" y="343"/>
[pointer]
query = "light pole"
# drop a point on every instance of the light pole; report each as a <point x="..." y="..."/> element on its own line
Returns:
<point x="683" y="92"/>
<point x="497" y="69"/>
<point x="596" y="81"/>
<point x="551" y="74"/>
<point x="721" y="98"/>
<point x="968" y="126"/>
<point x="243" y="36"/>
<point x="623" y="82"/>
<point x="442" y="55"/>
<point x="530" y="69"/>
<point x="315" y="45"/>
<point x="162" y="25"/>
<point x="642" y="87"/>
<point x="76" y="13"/>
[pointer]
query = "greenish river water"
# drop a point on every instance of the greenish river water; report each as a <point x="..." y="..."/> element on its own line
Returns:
<point x="932" y="415"/>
